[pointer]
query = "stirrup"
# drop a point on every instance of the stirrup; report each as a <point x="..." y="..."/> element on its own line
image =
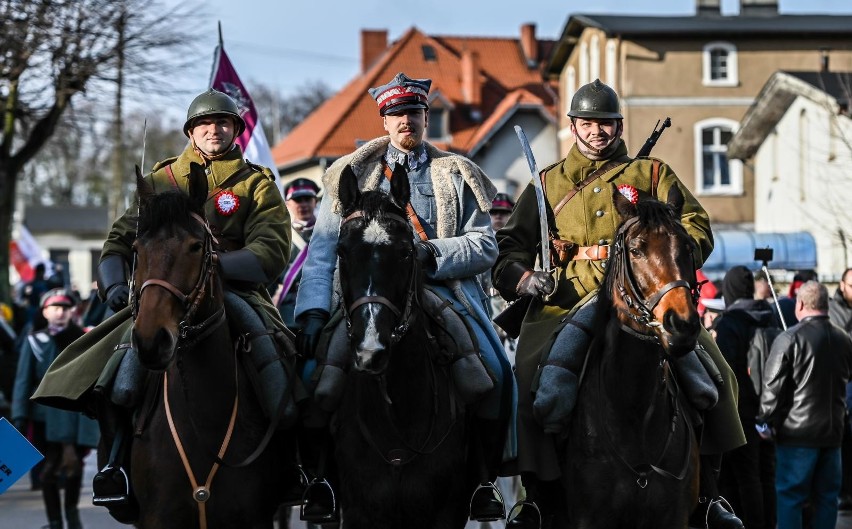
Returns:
<point x="496" y="495"/>
<point x="722" y="502"/>
<point x="110" y="486"/>
<point x="294" y="496"/>
<point x="319" y="490"/>
<point x="519" y="520"/>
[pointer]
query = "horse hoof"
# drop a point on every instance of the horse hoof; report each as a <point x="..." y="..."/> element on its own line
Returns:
<point x="486" y="505"/>
<point x="524" y="515"/>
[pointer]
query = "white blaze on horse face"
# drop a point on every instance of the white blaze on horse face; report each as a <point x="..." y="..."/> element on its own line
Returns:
<point x="368" y="347"/>
<point x="374" y="233"/>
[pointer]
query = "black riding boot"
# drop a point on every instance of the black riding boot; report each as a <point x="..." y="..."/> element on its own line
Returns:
<point x="111" y="485"/>
<point x="488" y="438"/>
<point x="319" y="502"/>
<point x="713" y="511"/>
<point x="541" y="508"/>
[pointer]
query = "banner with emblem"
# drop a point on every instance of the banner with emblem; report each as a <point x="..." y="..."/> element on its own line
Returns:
<point x="252" y="141"/>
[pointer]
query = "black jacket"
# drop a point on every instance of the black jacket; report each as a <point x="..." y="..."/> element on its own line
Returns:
<point x="804" y="395"/>
<point x="734" y="331"/>
<point x="840" y="312"/>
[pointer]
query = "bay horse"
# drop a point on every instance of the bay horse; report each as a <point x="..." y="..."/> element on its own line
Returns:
<point x="631" y="456"/>
<point x="400" y="436"/>
<point x="194" y="460"/>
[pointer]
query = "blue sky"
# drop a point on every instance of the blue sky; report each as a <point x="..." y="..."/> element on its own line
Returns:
<point x="286" y="43"/>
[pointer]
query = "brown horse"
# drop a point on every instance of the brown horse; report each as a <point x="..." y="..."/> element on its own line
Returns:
<point x="194" y="459"/>
<point x="631" y="457"/>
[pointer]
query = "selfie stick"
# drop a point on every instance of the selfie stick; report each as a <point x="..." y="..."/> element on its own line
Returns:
<point x="774" y="296"/>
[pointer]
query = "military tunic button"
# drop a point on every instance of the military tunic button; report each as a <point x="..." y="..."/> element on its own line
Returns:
<point x="599" y="213"/>
<point x="603" y="264"/>
<point x="597" y="190"/>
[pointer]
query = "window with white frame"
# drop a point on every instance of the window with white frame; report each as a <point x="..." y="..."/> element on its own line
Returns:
<point x="594" y="58"/>
<point x="584" y="63"/>
<point x="570" y="87"/>
<point x="720" y="64"/>
<point x="611" y="48"/>
<point x="715" y="174"/>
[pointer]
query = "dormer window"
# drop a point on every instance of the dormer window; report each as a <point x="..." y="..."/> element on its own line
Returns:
<point x="720" y="64"/>
<point x="438" y="128"/>
<point x="429" y="54"/>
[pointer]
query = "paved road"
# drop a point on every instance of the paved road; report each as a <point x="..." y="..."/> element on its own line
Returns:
<point x="21" y="508"/>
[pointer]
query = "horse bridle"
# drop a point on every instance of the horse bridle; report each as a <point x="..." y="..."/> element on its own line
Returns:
<point x="639" y="308"/>
<point x="404" y="316"/>
<point x="193" y="299"/>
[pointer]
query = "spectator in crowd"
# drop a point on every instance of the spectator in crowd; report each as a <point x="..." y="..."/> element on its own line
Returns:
<point x="33" y="290"/>
<point x="749" y="468"/>
<point x="63" y="437"/>
<point x="802" y="406"/>
<point x="300" y="196"/>
<point x="788" y="302"/>
<point x="840" y="314"/>
<point x="762" y="288"/>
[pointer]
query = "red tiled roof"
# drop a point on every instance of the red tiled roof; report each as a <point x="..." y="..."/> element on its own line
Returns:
<point x="351" y="114"/>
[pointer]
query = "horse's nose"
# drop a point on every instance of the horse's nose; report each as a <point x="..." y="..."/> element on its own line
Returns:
<point x="368" y="359"/>
<point x="679" y="326"/>
<point x="156" y="353"/>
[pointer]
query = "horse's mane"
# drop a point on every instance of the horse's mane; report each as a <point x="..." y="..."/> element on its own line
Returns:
<point x="166" y="210"/>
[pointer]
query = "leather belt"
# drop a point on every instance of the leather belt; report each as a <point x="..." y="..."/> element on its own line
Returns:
<point x="596" y="252"/>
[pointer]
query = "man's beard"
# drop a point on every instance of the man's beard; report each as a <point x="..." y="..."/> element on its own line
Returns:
<point x="410" y="142"/>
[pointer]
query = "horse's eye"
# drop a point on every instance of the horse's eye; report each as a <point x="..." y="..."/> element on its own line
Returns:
<point x="196" y="247"/>
<point x="636" y="252"/>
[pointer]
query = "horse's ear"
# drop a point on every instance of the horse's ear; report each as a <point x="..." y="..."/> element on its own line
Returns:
<point x="623" y="205"/>
<point x="349" y="194"/>
<point x="143" y="188"/>
<point x="400" y="187"/>
<point x="197" y="185"/>
<point x="675" y="200"/>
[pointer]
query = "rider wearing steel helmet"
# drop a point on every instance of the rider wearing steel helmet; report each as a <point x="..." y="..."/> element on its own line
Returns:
<point x="584" y="224"/>
<point x="246" y="214"/>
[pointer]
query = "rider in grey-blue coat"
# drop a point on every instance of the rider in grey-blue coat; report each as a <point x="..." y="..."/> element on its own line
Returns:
<point x="451" y="197"/>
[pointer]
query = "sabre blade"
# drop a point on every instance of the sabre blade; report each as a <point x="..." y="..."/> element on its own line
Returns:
<point x="539" y="198"/>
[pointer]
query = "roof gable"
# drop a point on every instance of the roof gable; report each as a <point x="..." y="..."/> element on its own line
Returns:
<point x="350" y="115"/>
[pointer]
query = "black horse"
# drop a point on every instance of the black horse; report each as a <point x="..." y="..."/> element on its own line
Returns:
<point x="400" y="432"/>
<point x="192" y="461"/>
<point x="631" y="457"/>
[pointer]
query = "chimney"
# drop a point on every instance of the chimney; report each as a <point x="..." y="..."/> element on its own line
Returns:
<point x="758" y="7"/>
<point x="708" y="7"/>
<point x="471" y="85"/>
<point x="374" y="42"/>
<point x="529" y="44"/>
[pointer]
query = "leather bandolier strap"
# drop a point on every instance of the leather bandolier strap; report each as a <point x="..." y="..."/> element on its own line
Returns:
<point x="409" y="210"/>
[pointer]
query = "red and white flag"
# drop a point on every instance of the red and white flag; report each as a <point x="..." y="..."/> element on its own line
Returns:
<point x="252" y="141"/>
<point x="25" y="253"/>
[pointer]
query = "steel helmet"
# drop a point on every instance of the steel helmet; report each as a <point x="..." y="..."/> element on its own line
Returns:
<point x="595" y="100"/>
<point x="213" y="102"/>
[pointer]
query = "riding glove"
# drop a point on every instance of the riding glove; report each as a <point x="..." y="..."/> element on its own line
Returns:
<point x="117" y="295"/>
<point x="311" y="322"/>
<point x="538" y="284"/>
